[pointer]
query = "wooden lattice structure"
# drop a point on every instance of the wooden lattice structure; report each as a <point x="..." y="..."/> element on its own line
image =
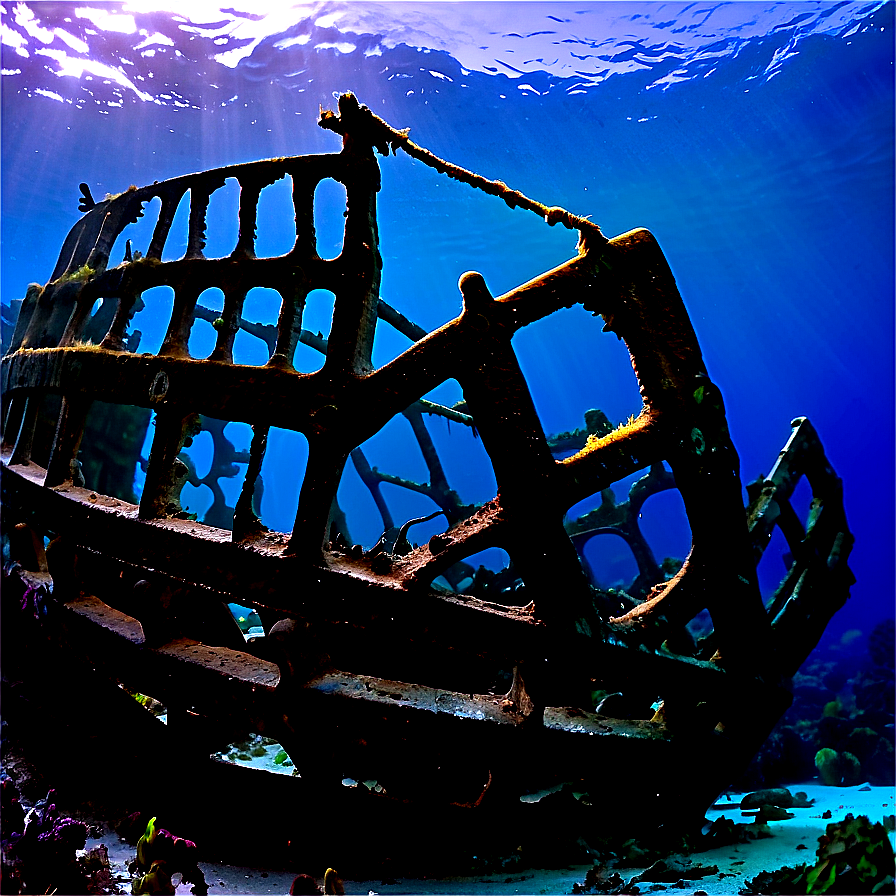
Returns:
<point x="359" y="644"/>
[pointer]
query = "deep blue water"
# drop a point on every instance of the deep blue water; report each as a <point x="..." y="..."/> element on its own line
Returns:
<point x="755" y="140"/>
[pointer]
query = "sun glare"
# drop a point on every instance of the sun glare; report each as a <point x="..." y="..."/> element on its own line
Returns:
<point x="107" y="21"/>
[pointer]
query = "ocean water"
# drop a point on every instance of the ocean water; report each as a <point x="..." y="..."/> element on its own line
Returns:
<point x="755" y="140"/>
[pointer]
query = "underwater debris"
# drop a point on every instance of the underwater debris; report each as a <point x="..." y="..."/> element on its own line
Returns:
<point x="363" y="645"/>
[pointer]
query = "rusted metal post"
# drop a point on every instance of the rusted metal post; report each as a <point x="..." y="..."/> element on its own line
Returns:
<point x="63" y="465"/>
<point x="165" y="474"/>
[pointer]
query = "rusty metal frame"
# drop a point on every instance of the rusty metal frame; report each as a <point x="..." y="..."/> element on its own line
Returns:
<point x="363" y="640"/>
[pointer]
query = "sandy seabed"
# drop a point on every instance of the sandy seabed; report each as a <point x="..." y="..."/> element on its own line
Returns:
<point x="793" y="842"/>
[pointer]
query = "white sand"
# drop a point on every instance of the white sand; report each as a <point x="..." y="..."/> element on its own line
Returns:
<point x="735" y="863"/>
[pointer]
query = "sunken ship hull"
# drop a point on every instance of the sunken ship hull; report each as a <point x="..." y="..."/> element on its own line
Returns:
<point x="379" y="665"/>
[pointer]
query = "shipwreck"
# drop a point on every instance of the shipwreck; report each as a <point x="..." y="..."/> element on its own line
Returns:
<point x="368" y="666"/>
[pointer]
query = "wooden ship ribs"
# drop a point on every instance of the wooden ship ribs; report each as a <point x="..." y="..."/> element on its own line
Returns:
<point x="367" y="667"/>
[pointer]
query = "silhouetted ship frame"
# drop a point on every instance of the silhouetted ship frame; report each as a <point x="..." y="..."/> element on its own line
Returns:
<point x="367" y="668"/>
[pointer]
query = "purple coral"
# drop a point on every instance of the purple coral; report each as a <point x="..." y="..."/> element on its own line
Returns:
<point x="43" y="856"/>
<point x="66" y="834"/>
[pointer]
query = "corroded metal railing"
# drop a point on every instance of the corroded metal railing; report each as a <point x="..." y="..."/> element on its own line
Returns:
<point x="364" y="639"/>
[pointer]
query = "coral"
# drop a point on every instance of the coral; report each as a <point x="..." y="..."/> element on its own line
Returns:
<point x="95" y="863"/>
<point x="631" y="425"/>
<point x="787" y="755"/>
<point x="882" y="644"/>
<point x="156" y="882"/>
<point x="156" y="846"/>
<point x="83" y="273"/>
<point x="828" y="767"/>
<point x="12" y="815"/>
<point x="784" y="880"/>
<point x="843" y="703"/>
<point x="332" y="883"/>
<point x="304" y="885"/>
<point x="838" y="769"/>
<point x="878" y="768"/>
<point x="41" y="855"/>
<point x="862" y="743"/>
<point x="854" y="856"/>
